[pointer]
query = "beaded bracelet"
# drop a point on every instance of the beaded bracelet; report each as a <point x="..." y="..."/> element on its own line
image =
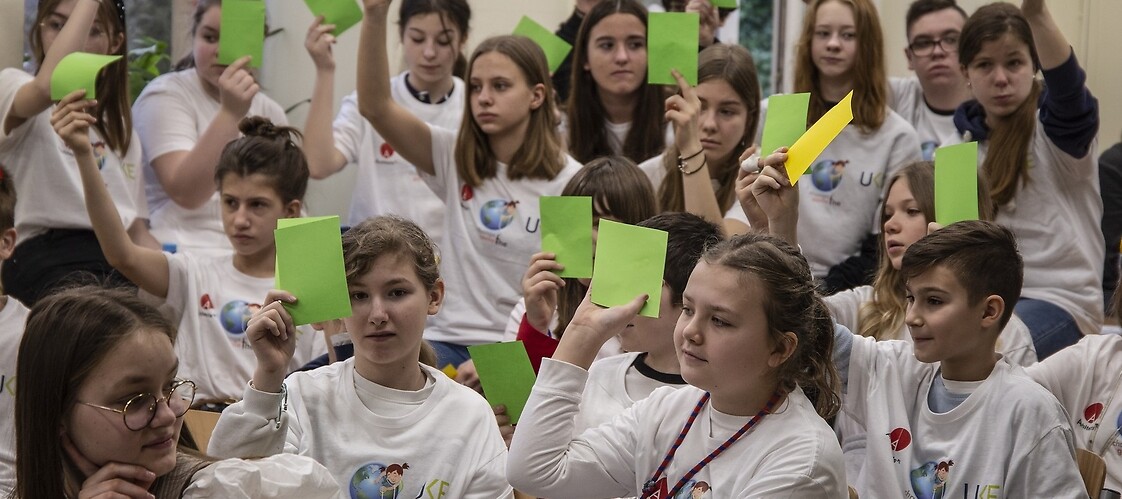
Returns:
<point x="682" y="163"/>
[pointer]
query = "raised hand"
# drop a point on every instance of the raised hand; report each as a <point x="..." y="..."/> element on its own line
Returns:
<point x="319" y="42"/>
<point x="683" y="110"/>
<point x="376" y="4"/>
<point x="236" y="88"/>
<point x="540" y="288"/>
<point x="111" y="481"/>
<point x="709" y="22"/>
<point x="272" y="335"/>
<point x="757" y="219"/>
<point x="772" y="189"/>
<point x="72" y="122"/>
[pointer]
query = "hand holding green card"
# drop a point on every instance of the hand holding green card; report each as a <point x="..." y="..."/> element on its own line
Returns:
<point x="506" y="375"/>
<point x="342" y="13"/>
<point x="630" y="261"/>
<point x="78" y="70"/>
<point x="554" y="47"/>
<point x="242" y="32"/>
<point x="785" y="121"/>
<point x="672" y="44"/>
<point x="567" y="232"/>
<point x="310" y="266"/>
<point x="956" y="183"/>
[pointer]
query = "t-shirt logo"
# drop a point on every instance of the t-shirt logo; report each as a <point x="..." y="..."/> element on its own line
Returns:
<point x="205" y="303"/>
<point x="1091" y="416"/>
<point x="930" y="480"/>
<point x="466" y="193"/>
<point x="826" y="174"/>
<point x="496" y="214"/>
<point x="234" y="318"/>
<point x="386" y="151"/>
<point x="899" y="439"/>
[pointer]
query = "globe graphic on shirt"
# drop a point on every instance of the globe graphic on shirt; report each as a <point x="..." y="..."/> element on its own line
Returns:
<point x="367" y="482"/>
<point x="923" y="481"/>
<point x="234" y="316"/>
<point x="827" y="174"/>
<point x="496" y="214"/>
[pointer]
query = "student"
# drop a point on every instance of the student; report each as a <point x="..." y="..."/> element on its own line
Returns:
<point x="620" y="192"/>
<point x="713" y="124"/>
<point x="13" y="314"/>
<point x="568" y="32"/>
<point x="929" y="98"/>
<point x="490" y="175"/>
<point x="941" y="397"/>
<point x="261" y="177"/>
<point x="185" y="118"/>
<point x="100" y="408"/>
<point x="1110" y="185"/>
<point x="612" y="109"/>
<point x="752" y="332"/>
<point x="651" y="362"/>
<point x="1053" y="207"/>
<point x="841" y="49"/>
<point x="361" y="416"/>
<point x="432" y="34"/>
<point x="55" y="239"/>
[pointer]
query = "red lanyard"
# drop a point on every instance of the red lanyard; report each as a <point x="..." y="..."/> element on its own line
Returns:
<point x="649" y="487"/>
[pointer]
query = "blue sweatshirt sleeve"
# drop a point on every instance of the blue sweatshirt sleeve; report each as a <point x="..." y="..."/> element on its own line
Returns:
<point x="843" y="347"/>
<point x="1068" y="111"/>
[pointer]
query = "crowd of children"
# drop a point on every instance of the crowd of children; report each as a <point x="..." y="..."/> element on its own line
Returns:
<point x="824" y="339"/>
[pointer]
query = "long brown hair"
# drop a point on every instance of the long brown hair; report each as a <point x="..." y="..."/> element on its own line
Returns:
<point x="588" y="137"/>
<point x="791" y="303"/>
<point x="619" y="191"/>
<point x="540" y="155"/>
<point x="114" y="108"/>
<point x="1006" y="163"/>
<point x="870" y="85"/>
<point x="734" y="65"/>
<point x="456" y="11"/>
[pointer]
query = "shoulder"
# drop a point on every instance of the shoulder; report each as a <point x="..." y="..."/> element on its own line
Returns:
<point x="1025" y="398"/>
<point x="457" y="396"/>
<point x="13" y="78"/>
<point x="896" y="126"/>
<point x="176" y="81"/>
<point x="611" y="364"/>
<point x="319" y="380"/>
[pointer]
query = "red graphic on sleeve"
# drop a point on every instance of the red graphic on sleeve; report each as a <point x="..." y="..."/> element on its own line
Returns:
<point x="899" y="438"/>
<point x="205" y="303"/>
<point x="386" y="151"/>
<point x="466" y="193"/>
<point x="1092" y="412"/>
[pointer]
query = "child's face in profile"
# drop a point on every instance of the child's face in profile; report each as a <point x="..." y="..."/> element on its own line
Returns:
<point x="904" y="221"/>
<point x="250" y="210"/>
<point x="946" y="327"/>
<point x="389" y="305"/>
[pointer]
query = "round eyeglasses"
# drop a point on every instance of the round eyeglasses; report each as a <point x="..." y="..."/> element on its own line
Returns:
<point x="141" y="408"/>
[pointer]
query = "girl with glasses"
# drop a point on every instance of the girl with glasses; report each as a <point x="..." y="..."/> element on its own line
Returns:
<point x="100" y="408"/>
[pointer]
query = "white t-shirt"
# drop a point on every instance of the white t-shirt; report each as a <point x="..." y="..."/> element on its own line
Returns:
<point x="170" y="115"/>
<point x="935" y="129"/>
<point x="491" y="231"/>
<point x="446" y="443"/>
<point x="284" y="475"/>
<point x="617" y="133"/>
<point x="45" y="173"/>
<point x="841" y="191"/>
<point x="613" y="386"/>
<point x="12" y="319"/>
<point x="1087" y="378"/>
<point x="1009" y="438"/>
<point x="656" y="172"/>
<point x="1056" y="217"/>
<point x="386" y="183"/>
<point x="211" y="300"/>
<point x="790" y="453"/>
<point x="514" y="322"/>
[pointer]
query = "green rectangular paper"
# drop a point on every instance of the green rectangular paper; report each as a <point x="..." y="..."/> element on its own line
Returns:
<point x="630" y="261"/>
<point x="785" y="121"/>
<point x="956" y="183"/>
<point x="728" y="4"/>
<point x="567" y="232"/>
<point x="310" y="266"/>
<point x="342" y="13"/>
<point x="78" y="70"/>
<point x="672" y="44"/>
<point x="242" y="31"/>
<point x="506" y="375"/>
<point x="554" y="47"/>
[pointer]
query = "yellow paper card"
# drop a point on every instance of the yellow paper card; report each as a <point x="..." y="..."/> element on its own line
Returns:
<point x="450" y="371"/>
<point x="805" y="150"/>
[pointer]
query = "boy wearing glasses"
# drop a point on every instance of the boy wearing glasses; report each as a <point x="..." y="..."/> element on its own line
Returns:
<point x="928" y="99"/>
<point x="12" y="316"/>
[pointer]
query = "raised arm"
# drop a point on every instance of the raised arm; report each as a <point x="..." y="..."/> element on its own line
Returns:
<point x="319" y="142"/>
<point x="683" y="110"/>
<point x="406" y="133"/>
<point x="188" y="176"/>
<point x="777" y="198"/>
<point x="1051" y="45"/>
<point x="35" y="96"/>
<point x="146" y="267"/>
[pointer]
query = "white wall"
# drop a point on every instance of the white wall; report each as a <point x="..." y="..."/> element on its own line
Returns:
<point x="11" y="33"/>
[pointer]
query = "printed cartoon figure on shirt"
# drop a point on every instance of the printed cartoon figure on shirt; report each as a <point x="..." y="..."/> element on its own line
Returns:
<point x="378" y="481"/>
<point x="930" y="480"/>
<point x="827" y="174"/>
<point x="699" y="490"/>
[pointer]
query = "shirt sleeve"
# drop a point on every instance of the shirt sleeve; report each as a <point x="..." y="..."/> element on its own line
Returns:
<point x="347" y="129"/>
<point x="1048" y="470"/>
<point x="443" y="162"/>
<point x="284" y="475"/>
<point x="257" y="425"/>
<point x="1069" y="113"/>
<point x="165" y="122"/>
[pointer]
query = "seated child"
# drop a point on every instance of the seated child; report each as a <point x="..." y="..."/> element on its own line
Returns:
<point x="12" y="316"/>
<point x="955" y="415"/>
<point x="751" y="334"/>
<point x="385" y="424"/>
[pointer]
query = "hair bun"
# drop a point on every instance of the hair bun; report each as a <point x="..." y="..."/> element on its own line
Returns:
<point x="260" y="126"/>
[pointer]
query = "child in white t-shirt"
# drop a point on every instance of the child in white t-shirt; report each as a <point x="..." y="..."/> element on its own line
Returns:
<point x="752" y="334"/>
<point x="490" y="175"/>
<point x="13" y="314"/>
<point x="385" y="424"/>
<point x="262" y="178"/>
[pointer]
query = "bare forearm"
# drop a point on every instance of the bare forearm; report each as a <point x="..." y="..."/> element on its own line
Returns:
<point x="33" y="98"/>
<point x="319" y="141"/>
<point x="1051" y="45"/>
<point x="188" y="178"/>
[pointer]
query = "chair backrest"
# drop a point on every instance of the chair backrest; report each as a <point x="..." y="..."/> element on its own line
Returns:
<point x="1093" y="470"/>
<point x="853" y="493"/>
<point x="201" y="424"/>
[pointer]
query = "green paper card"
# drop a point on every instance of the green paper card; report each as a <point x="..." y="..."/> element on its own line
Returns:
<point x="567" y="232"/>
<point x="728" y="4"/>
<point x="78" y="70"/>
<point x="554" y="47"/>
<point x="342" y="13"/>
<point x="630" y="261"/>
<point x="506" y="375"/>
<point x="785" y="121"/>
<point x="242" y="32"/>
<point x="310" y="266"/>
<point x="956" y="183"/>
<point x="672" y="44"/>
